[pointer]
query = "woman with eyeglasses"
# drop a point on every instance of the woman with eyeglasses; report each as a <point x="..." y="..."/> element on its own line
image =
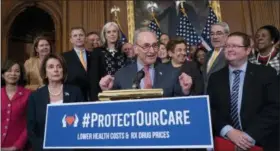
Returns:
<point x="13" y="107"/>
<point x="267" y="53"/>
<point x="106" y="60"/>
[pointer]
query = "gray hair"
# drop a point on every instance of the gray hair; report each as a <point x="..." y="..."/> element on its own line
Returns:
<point x="224" y="25"/>
<point x="103" y="31"/>
<point x="140" y="30"/>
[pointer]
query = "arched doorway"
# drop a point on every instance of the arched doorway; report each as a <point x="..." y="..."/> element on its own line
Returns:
<point x="50" y="7"/>
<point x="28" y="24"/>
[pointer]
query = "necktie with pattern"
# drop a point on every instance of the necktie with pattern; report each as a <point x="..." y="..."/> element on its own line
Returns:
<point x="147" y="78"/>
<point x="234" y="100"/>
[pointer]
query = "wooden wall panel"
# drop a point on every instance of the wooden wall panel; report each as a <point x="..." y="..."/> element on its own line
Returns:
<point x="265" y="13"/>
<point x="122" y="14"/>
<point x="232" y="13"/>
<point x="75" y="13"/>
<point x="65" y="27"/>
<point x="5" y="10"/>
<point x="248" y="16"/>
<point x="88" y="14"/>
<point x="74" y="18"/>
<point x="6" y="7"/>
<point x="94" y="15"/>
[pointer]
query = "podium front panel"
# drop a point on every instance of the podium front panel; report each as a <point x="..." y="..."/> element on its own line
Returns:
<point x="179" y="122"/>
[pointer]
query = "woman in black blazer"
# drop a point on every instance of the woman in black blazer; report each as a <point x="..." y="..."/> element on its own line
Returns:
<point x="53" y="72"/>
<point x="107" y="59"/>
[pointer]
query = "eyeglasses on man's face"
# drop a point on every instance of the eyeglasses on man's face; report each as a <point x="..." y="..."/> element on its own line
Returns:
<point x="218" y="34"/>
<point x="146" y="47"/>
<point x="234" y="46"/>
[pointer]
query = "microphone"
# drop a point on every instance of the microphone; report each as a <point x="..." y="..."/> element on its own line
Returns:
<point x="139" y="76"/>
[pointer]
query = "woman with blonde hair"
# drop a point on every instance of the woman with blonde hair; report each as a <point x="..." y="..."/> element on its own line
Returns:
<point x="107" y="59"/>
<point x="42" y="48"/>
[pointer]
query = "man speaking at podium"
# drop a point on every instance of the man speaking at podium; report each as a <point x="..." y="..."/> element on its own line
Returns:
<point x="146" y="73"/>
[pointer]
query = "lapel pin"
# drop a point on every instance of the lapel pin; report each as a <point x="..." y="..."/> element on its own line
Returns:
<point x="66" y="94"/>
<point x="160" y="73"/>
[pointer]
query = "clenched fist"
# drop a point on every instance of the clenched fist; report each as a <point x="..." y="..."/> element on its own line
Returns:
<point x="185" y="83"/>
<point x="106" y="83"/>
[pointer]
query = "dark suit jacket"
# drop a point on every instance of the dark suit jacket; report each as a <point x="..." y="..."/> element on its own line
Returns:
<point x="218" y="64"/>
<point x="164" y="78"/>
<point x="191" y="69"/>
<point x="36" y="112"/>
<point x="259" y="108"/>
<point x="99" y="62"/>
<point x="77" y="75"/>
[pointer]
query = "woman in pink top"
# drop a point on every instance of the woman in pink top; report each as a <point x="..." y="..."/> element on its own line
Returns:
<point x="13" y="107"/>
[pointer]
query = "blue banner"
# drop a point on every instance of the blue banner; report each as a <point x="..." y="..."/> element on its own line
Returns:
<point x="180" y="122"/>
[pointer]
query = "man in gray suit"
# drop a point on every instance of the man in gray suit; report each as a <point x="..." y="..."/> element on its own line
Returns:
<point x="156" y="75"/>
<point x="215" y="59"/>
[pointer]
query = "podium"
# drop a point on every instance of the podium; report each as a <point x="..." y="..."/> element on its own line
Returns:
<point x="140" y="119"/>
<point x="112" y="95"/>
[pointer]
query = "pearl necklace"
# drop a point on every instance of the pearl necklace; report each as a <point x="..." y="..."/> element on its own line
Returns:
<point x="56" y="94"/>
<point x="270" y="53"/>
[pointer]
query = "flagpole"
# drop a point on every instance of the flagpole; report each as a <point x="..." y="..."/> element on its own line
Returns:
<point x="152" y="6"/>
<point x="182" y="8"/>
<point x="115" y="10"/>
<point x="153" y="15"/>
<point x="215" y="5"/>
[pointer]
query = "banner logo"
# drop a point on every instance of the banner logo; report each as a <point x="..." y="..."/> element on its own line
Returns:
<point x="70" y="120"/>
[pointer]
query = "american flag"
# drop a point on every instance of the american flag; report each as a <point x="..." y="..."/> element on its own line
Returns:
<point x="187" y="31"/>
<point x="211" y="19"/>
<point x="123" y="39"/>
<point x="154" y="27"/>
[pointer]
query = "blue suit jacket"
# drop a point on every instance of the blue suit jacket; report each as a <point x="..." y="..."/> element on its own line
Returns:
<point x="165" y="78"/>
<point x="36" y="112"/>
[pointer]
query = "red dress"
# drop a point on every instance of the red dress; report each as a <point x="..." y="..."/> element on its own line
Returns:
<point x="13" y="118"/>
